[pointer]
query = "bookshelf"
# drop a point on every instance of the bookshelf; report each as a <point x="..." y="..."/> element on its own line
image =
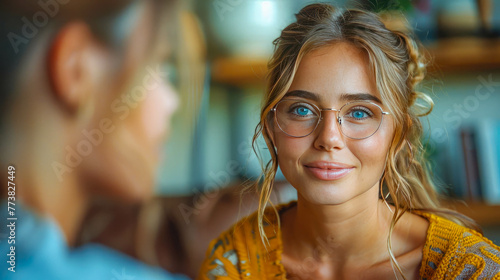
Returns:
<point x="483" y="214"/>
<point x="239" y="71"/>
<point x="464" y="54"/>
<point x="447" y="56"/>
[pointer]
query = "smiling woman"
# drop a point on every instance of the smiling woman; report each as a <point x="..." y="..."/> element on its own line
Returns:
<point x="341" y="121"/>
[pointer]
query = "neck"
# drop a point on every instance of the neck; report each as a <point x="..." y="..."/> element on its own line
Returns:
<point x="64" y="202"/>
<point x="63" y="198"/>
<point x="351" y="231"/>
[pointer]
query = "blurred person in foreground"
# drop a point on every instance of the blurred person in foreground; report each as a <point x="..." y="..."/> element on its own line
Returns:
<point x="86" y="105"/>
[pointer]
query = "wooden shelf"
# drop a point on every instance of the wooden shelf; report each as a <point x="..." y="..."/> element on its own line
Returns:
<point x="465" y="54"/>
<point x="446" y="56"/>
<point x="240" y="71"/>
<point x="483" y="214"/>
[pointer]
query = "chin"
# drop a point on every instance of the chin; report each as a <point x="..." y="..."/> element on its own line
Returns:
<point x="322" y="192"/>
<point x="326" y="197"/>
<point x="340" y="193"/>
<point x="137" y="191"/>
<point x="125" y="188"/>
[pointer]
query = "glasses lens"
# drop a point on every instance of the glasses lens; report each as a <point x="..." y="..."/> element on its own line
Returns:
<point x="296" y="118"/>
<point x="360" y="119"/>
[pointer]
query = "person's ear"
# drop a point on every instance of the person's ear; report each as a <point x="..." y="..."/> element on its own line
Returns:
<point x="270" y="129"/>
<point x="69" y="67"/>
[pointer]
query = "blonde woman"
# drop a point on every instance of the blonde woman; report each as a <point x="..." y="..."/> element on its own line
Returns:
<point x="85" y="108"/>
<point x="340" y="119"/>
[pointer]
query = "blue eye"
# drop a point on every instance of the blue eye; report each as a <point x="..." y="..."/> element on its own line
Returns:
<point x="358" y="114"/>
<point x="302" y="111"/>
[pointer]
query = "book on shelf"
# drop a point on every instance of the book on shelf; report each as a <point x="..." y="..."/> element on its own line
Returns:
<point x="469" y="149"/>
<point x="470" y="162"/>
<point x="488" y="156"/>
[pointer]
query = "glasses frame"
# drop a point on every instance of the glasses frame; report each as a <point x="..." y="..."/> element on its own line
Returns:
<point x="339" y="120"/>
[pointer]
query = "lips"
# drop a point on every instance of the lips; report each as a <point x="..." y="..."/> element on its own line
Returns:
<point x="328" y="171"/>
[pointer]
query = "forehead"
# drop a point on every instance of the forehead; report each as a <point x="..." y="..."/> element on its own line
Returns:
<point x="335" y="70"/>
<point x="149" y="40"/>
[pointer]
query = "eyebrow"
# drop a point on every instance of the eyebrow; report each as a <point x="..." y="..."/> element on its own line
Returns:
<point x="303" y="94"/>
<point x="343" y="97"/>
<point x="359" y="97"/>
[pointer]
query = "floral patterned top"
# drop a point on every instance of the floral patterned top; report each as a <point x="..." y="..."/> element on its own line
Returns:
<point x="451" y="251"/>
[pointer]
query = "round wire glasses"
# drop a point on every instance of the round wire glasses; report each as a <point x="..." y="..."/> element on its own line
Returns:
<point x="356" y="119"/>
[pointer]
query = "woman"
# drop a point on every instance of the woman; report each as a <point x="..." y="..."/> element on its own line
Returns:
<point x="86" y="109"/>
<point x="340" y="120"/>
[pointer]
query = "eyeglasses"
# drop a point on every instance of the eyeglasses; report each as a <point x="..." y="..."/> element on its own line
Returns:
<point x="357" y="119"/>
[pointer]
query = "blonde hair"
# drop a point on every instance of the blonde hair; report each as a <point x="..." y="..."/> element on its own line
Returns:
<point x="398" y="67"/>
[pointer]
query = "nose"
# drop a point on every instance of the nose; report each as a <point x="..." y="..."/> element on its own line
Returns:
<point x="171" y="99"/>
<point x="329" y="135"/>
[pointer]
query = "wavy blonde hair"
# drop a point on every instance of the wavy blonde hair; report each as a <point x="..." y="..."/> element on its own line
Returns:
<point x="398" y="67"/>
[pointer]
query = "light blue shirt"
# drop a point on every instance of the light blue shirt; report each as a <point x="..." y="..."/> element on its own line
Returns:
<point x="41" y="252"/>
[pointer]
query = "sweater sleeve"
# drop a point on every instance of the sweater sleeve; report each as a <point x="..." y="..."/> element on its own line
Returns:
<point x="455" y="252"/>
<point x="480" y="258"/>
<point x="221" y="260"/>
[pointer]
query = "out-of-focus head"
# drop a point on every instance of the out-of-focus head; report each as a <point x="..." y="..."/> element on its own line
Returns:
<point x="88" y="94"/>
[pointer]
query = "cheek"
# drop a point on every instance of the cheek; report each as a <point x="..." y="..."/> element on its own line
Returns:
<point x="290" y="149"/>
<point x="157" y="110"/>
<point x="372" y="152"/>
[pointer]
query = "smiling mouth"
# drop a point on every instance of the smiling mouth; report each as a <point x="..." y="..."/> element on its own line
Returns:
<point x="328" y="171"/>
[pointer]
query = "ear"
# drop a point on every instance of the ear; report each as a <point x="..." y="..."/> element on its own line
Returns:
<point x="270" y="129"/>
<point x="68" y="64"/>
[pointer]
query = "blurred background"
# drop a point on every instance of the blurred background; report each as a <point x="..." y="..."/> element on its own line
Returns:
<point x="234" y="41"/>
<point x="221" y="80"/>
<point x="462" y="43"/>
<point x="463" y="47"/>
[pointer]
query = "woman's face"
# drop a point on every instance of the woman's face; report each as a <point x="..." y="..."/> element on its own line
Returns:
<point x="326" y="167"/>
<point x="141" y="103"/>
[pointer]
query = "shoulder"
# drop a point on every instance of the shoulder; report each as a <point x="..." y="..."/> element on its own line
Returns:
<point x="452" y="251"/>
<point x="221" y="258"/>
<point x="238" y="252"/>
<point x="41" y="252"/>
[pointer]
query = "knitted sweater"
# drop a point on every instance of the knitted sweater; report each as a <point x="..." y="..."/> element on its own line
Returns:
<point x="450" y="252"/>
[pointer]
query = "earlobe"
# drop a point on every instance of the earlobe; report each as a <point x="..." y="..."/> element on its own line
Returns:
<point x="68" y="66"/>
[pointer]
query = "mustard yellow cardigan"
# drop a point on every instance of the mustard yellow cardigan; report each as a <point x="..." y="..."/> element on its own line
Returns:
<point x="450" y="252"/>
